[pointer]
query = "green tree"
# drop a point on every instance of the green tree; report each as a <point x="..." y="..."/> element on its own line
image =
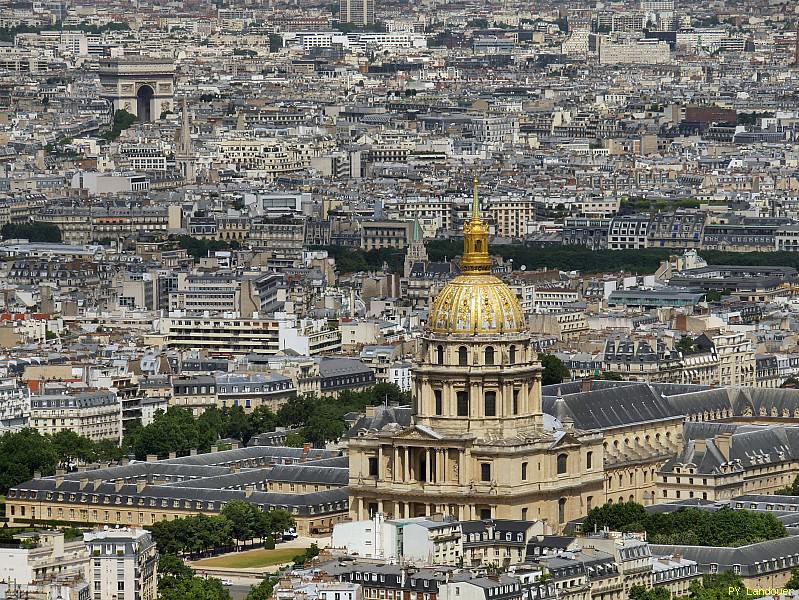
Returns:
<point x="70" y="446"/>
<point x="611" y="376"/>
<point x="793" y="582"/>
<point x="196" y="588"/>
<point x="554" y="369"/>
<point x="34" y="232"/>
<point x="122" y="121"/>
<point x="295" y="440"/>
<point x="262" y="591"/>
<point x="243" y="517"/>
<point x="272" y="523"/>
<point x="686" y="345"/>
<point x="716" y="587"/>
<point x="639" y="592"/>
<point x="693" y="527"/>
<point x="171" y="571"/>
<point x="22" y="453"/>
<point x="262" y="419"/>
<point x="275" y="42"/>
<point x="310" y="553"/>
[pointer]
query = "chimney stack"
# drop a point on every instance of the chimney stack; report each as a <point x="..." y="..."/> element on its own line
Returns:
<point x="59" y="477"/>
<point x="151" y="458"/>
<point x="193" y="452"/>
<point x="173" y="455"/>
<point x="306" y="448"/>
<point x="248" y="490"/>
<point x="723" y="443"/>
<point x="84" y="481"/>
<point x="118" y="485"/>
<point x="214" y="448"/>
<point x="140" y="485"/>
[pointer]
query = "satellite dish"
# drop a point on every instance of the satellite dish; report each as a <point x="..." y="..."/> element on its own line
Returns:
<point x="523" y="267"/>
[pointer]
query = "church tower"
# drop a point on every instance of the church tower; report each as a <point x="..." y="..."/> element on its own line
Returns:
<point x="416" y="252"/>
<point x="479" y="445"/>
<point x="185" y="160"/>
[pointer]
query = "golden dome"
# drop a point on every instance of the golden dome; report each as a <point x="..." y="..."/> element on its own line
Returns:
<point x="476" y="301"/>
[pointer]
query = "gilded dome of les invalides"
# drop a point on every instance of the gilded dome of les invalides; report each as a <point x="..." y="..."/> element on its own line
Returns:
<point x="476" y="302"/>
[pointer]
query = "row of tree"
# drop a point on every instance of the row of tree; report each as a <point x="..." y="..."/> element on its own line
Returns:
<point x="238" y="523"/>
<point x="568" y="258"/>
<point x="315" y="419"/>
<point x="34" y="232"/>
<point x="352" y="260"/>
<point x="690" y="527"/>
<point x="24" y="452"/>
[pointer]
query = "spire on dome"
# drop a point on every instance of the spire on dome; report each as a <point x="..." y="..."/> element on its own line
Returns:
<point x="476" y="260"/>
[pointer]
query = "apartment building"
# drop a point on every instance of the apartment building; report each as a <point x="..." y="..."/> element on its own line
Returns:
<point x="96" y="415"/>
<point x="376" y="235"/>
<point x="124" y="564"/>
<point x="736" y="357"/>
<point x="232" y="334"/>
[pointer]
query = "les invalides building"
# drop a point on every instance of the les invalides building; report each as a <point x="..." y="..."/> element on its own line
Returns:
<point x="479" y="444"/>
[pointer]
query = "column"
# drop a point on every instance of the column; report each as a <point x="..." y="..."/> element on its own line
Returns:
<point x="461" y="513"/>
<point x="380" y="506"/>
<point x="406" y="466"/>
<point x="439" y="477"/>
<point x="362" y="509"/>
<point x="407" y="510"/>
<point x="395" y="465"/>
<point x="444" y="473"/>
<point x="380" y="462"/>
<point x="397" y="509"/>
<point x="467" y="466"/>
<point x="462" y="467"/>
<point x="428" y="454"/>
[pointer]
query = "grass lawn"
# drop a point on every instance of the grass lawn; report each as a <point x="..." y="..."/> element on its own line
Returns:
<point x="252" y="558"/>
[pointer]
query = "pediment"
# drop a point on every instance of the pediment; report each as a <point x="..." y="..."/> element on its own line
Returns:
<point x="418" y="432"/>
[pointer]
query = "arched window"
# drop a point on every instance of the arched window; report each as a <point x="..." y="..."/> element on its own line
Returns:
<point x="463" y="356"/>
<point x="562" y="460"/>
<point x="440" y="355"/>
<point x="491" y="404"/>
<point x="512" y="355"/>
<point x="490" y="355"/>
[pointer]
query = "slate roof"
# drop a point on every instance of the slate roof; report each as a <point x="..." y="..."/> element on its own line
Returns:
<point x="310" y="474"/>
<point x="765" y="555"/>
<point x="384" y="415"/>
